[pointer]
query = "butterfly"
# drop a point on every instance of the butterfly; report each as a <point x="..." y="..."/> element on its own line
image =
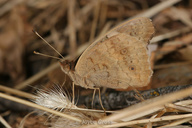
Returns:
<point x="119" y="59"/>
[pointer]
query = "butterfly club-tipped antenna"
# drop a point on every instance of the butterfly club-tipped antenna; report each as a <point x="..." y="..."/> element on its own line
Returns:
<point x="38" y="53"/>
<point x="49" y="46"/>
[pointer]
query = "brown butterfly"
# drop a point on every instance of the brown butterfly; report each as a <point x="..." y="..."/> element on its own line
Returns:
<point x="119" y="59"/>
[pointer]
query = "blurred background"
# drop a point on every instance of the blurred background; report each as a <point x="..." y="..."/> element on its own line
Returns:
<point x="71" y="25"/>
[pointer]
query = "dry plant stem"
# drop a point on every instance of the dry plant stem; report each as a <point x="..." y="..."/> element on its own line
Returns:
<point x="4" y="122"/>
<point x="171" y="64"/>
<point x="72" y="30"/>
<point x="95" y="20"/>
<point x="161" y="113"/>
<point x="22" y="123"/>
<point x="185" y="102"/>
<point x="181" y="16"/>
<point x="93" y="110"/>
<point x="148" y="106"/>
<point x="178" y="107"/>
<point x="16" y="92"/>
<point x="170" y="35"/>
<point x="149" y="124"/>
<point x="106" y="28"/>
<point x="31" y="96"/>
<point x="157" y="8"/>
<point x="37" y="76"/>
<point x="8" y="6"/>
<point x="103" y="14"/>
<point x="83" y="13"/>
<point x="38" y="107"/>
<point x="178" y="122"/>
<point x="160" y="119"/>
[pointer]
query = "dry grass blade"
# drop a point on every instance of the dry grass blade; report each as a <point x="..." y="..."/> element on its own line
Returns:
<point x="147" y="107"/>
<point x="157" y="8"/>
<point x="170" y="35"/>
<point x="16" y="92"/>
<point x="160" y="119"/>
<point x="94" y="22"/>
<point x="178" y="107"/>
<point x="178" y="122"/>
<point x="171" y="64"/>
<point x="8" y="6"/>
<point x="71" y="24"/>
<point x="38" y="107"/>
<point x="4" y="122"/>
<point x="22" y="123"/>
<point x="37" y="76"/>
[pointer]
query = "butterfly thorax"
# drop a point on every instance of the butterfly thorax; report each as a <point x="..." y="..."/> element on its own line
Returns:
<point x="67" y="68"/>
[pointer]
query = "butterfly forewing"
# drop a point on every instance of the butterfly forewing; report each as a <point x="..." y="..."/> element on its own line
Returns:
<point x="141" y="28"/>
<point x="119" y="59"/>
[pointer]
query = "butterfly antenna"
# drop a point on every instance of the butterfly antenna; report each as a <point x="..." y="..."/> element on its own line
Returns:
<point x="47" y="44"/>
<point x="38" y="53"/>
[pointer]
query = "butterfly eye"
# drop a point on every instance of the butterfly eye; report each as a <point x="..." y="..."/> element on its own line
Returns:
<point x="68" y="65"/>
<point x="123" y="51"/>
<point x="132" y="68"/>
<point x="65" y="66"/>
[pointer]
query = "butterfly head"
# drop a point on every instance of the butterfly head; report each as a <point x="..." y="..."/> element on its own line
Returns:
<point x="66" y="66"/>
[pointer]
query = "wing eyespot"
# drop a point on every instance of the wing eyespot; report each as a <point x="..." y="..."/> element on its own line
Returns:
<point x="132" y="68"/>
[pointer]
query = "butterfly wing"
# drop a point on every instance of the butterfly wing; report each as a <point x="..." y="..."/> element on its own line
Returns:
<point x="119" y="59"/>
<point x="140" y="28"/>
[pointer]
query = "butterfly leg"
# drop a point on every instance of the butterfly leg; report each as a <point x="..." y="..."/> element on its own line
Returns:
<point x="101" y="100"/>
<point x="139" y="96"/>
<point x="73" y="91"/>
<point x="94" y="91"/>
